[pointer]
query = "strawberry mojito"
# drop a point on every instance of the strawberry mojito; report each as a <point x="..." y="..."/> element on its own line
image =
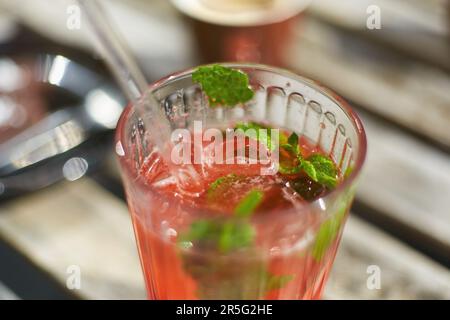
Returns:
<point x="252" y="203"/>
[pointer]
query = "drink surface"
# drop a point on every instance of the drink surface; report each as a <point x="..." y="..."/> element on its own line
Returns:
<point x="244" y="236"/>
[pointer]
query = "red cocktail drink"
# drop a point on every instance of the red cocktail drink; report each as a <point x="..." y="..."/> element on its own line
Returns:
<point x="230" y="229"/>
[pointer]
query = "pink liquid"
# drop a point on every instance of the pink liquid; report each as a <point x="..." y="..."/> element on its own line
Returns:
<point x="282" y="248"/>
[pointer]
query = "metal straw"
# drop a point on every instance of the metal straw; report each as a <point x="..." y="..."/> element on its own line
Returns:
<point x="127" y="73"/>
<point x="132" y="80"/>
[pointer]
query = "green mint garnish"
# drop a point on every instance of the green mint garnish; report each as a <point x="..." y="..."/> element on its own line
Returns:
<point x="309" y="169"/>
<point x="260" y="133"/>
<point x="325" y="236"/>
<point x="235" y="235"/>
<point x="328" y="232"/>
<point x="288" y="166"/>
<point x="290" y="156"/>
<point x="257" y="132"/>
<point x="293" y="140"/>
<point x="222" y="278"/>
<point x="275" y="282"/>
<point x="203" y="230"/>
<point x="248" y="204"/>
<point x="223" y="86"/>
<point x="224" y="236"/>
<point x="221" y="184"/>
<point x="348" y="171"/>
<point x="229" y="234"/>
<point x="252" y="130"/>
<point x="318" y="167"/>
<point x="321" y="169"/>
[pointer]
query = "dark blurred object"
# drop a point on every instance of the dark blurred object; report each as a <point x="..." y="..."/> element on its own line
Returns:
<point x="261" y="44"/>
<point x="258" y="31"/>
<point x="448" y="18"/>
<point x="56" y="114"/>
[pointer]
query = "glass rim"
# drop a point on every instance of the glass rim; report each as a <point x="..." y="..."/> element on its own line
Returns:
<point x="345" y="106"/>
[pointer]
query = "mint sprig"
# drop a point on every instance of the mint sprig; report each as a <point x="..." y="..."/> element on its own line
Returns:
<point x="321" y="169"/>
<point x="223" y="86"/>
<point x="275" y="282"/>
<point x="318" y="167"/>
<point x="325" y="236"/>
<point x="221" y="185"/>
<point x="224" y="236"/>
<point x="261" y="133"/>
<point x="348" y="171"/>
<point x="328" y="231"/>
<point x="248" y="204"/>
<point x="290" y="156"/>
<point x="235" y="235"/>
<point x="293" y="140"/>
<point x="219" y="277"/>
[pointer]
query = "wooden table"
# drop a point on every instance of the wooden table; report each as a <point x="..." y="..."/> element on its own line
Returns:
<point x="401" y="218"/>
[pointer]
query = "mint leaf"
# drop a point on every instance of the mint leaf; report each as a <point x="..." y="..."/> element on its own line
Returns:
<point x="204" y="230"/>
<point x="309" y="169"/>
<point x="293" y="140"/>
<point x="290" y="156"/>
<point x="275" y="282"/>
<point x="318" y="167"/>
<point x="323" y="164"/>
<point x="251" y="130"/>
<point x="288" y="164"/>
<point x="223" y="86"/>
<point x="261" y="133"/>
<point x="325" y="236"/>
<point x="348" y="171"/>
<point x="224" y="236"/>
<point x="222" y="278"/>
<point x="230" y="177"/>
<point x="221" y="184"/>
<point x="328" y="232"/>
<point x="235" y="235"/>
<point x="321" y="169"/>
<point x="248" y="204"/>
<point x="257" y="132"/>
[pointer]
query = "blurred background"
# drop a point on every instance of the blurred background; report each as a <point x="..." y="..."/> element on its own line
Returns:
<point x="61" y="201"/>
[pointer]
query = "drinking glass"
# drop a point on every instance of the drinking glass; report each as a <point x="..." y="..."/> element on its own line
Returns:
<point x="258" y="31"/>
<point x="295" y="248"/>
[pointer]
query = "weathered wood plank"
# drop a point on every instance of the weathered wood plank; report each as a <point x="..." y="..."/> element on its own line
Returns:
<point x="81" y="224"/>
<point x="414" y="95"/>
<point x="407" y="180"/>
<point x="412" y="15"/>
<point x="404" y="273"/>
<point x="424" y="21"/>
